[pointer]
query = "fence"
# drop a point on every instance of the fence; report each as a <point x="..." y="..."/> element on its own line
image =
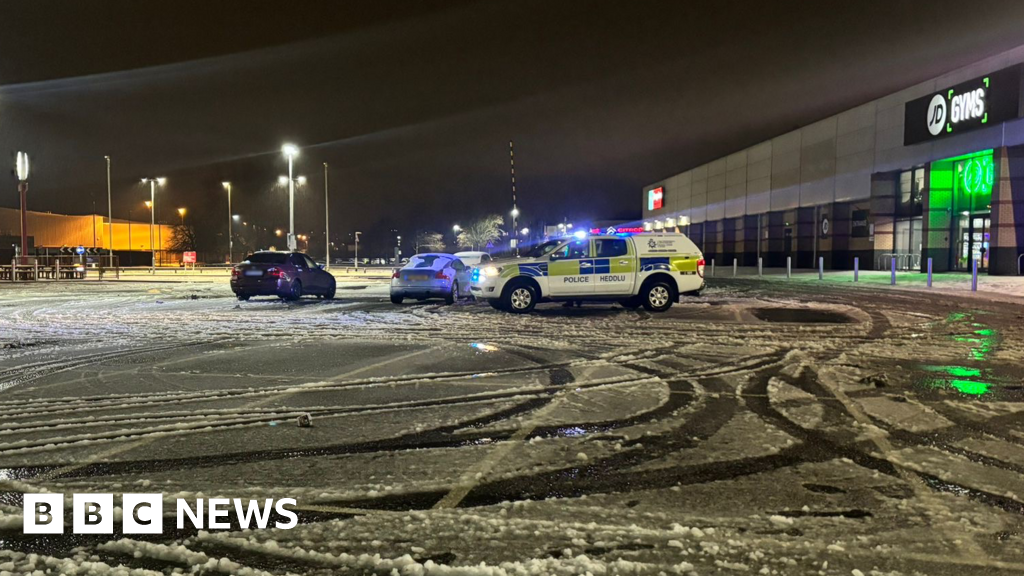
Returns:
<point x="905" y="262"/>
<point x="62" y="267"/>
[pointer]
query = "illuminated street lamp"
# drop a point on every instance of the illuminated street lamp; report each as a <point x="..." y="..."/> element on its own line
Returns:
<point x="524" y="231"/>
<point x="181" y="212"/>
<point x="231" y="238"/>
<point x="291" y="151"/>
<point x="153" y="182"/>
<point x="277" y="232"/>
<point x="21" y="169"/>
<point x="515" y="214"/>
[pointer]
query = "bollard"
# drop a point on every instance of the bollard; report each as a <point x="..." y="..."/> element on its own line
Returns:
<point x="759" y="266"/>
<point x="789" y="266"/>
<point x="929" y="272"/>
<point x="57" y="270"/>
<point x="974" y="276"/>
<point x="712" y="267"/>
<point x="821" y="267"/>
<point x="892" y="272"/>
<point x="735" y="264"/>
<point x="856" y="268"/>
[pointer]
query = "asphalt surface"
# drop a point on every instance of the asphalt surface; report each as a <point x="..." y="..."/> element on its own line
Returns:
<point x="813" y="429"/>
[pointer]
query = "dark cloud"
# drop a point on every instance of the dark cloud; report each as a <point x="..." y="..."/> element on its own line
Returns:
<point x="413" y="103"/>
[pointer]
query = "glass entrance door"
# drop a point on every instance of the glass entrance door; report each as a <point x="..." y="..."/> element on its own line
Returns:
<point x="973" y="241"/>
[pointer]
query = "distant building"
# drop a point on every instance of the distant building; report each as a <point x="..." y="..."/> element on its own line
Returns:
<point x="48" y="233"/>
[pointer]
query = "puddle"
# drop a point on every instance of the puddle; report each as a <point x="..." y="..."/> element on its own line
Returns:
<point x="801" y="316"/>
<point x="980" y="341"/>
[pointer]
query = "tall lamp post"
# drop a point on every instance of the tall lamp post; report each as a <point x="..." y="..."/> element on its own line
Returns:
<point x="357" y="250"/>
<point x="181" y="212"/>
<point x="21" y="169"/>
<point x="455" y="234"/>
<point x="327" y="223"/>
<point x="110" y="218"/>
<point x="291" y="151"/>
<point x="152" y="217"/>
<point x="231" y="239"/>
<point x="515" y="242"/>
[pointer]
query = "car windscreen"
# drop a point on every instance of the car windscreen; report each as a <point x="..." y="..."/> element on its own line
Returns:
<point x="542" y="249"/>
<point x="431" y="262"/>
<point x="267" y="258"/>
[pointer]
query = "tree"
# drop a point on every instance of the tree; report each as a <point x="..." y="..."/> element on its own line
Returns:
<point x="183" y="238"/>
<point x="432" y="241"/>
<point x="481" y="232"/>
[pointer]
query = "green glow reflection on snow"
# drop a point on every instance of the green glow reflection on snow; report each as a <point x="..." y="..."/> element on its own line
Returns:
<point x="964" y="379"/>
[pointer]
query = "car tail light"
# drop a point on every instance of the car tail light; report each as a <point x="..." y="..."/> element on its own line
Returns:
<point x="395" y="274"/>
<point x="441" y="275"/>
<point x="235" y="271"/>
<point x="275" y="273"/>
<point x="700" y="267"/>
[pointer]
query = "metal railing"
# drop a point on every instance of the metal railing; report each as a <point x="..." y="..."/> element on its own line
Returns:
<point x="58" y="268"/>
<point x="903" y="261"/>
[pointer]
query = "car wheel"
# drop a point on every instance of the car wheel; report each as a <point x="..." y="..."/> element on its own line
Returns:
<point x="631" y="303"/>
<point x="395" y="299"/>
<point x="519" y="298"/>
<point x="243" y="297"/>
<point x="657" y="296"/>
<point x="331" y="291"/>
<point x="453" y="295"/>
<point x="295" y="290"/>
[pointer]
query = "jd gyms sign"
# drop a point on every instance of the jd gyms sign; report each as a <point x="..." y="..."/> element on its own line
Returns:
<point x="969" y="105"/>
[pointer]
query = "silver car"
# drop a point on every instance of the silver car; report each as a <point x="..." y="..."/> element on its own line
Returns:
<point x="430" y="276"/>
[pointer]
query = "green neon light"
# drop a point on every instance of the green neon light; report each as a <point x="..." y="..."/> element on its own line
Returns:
<point x="977" y="175"/>
<point x="949" y="95"/>
<point x="971" y="387"/>
<point x="984" y="119"/>
<point x="985" y="80"/>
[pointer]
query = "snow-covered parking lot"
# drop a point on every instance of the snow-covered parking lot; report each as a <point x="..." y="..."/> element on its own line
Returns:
<point x="761" y="428"/>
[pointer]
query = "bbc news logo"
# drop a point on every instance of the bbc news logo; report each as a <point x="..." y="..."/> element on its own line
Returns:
<point x="144" y="513"/>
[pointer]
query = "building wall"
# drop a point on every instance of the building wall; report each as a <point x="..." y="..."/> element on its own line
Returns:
<point x="827" y="161"/>
<point x="57" y="230"/>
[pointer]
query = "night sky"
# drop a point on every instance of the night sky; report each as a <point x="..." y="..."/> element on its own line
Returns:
<point x="413" y="104"/>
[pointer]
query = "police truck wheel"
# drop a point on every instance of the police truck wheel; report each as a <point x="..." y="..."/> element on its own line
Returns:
<point x="396" y="299"/>
<point x="657" y="296"/>
<point x="519" y="298"/>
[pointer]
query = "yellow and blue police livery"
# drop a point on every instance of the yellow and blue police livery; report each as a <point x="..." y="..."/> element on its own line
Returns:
<point x="649" y="270"/>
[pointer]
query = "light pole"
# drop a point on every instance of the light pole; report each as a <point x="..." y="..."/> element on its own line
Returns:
<point x="291" y="151"/>
<point x="231" y="238"/>
<point x="110" y="218"/>
<point x="515" y="242"/>
<point x="327" y="223"/>
<point x="181" y="212"/>
<point x="455" y="234"/>
<point x="357" y="250"/>
<point x="21" y="169"/>
<point x="152" y="217"/>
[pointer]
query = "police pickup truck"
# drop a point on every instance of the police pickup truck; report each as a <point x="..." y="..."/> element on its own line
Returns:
<point x="649" y="270"/>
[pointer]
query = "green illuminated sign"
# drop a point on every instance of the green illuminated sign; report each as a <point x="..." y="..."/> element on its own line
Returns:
<point x="977" y="174"/>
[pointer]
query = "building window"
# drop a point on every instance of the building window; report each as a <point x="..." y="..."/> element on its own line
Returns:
<point x="909" y="202"/>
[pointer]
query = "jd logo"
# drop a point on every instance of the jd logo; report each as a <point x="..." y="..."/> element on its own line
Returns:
<point x="936" y="114"/>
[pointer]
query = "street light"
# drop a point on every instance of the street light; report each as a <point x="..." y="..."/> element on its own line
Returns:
<point x="153" y="182"/>
<point x="291" y="151"/>
<point x="357" y="250"/>
<point x="524" y="231"/>
<point x="181" y="212"/>
<point x="327" y="224"/>
<point x="21" y="169"/>
<point x="231" y="238"/>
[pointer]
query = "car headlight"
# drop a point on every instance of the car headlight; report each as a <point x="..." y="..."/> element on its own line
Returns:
<point x="491" y="271"/>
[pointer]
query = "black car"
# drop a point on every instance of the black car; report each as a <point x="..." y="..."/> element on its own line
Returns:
<point x="287" y="275"/>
